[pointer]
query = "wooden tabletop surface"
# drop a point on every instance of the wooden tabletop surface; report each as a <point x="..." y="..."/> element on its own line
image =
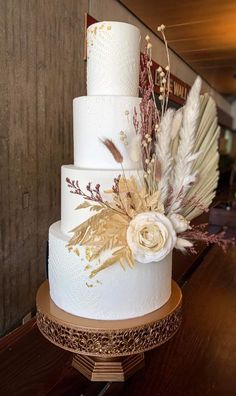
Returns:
<point x="200" y="360"/>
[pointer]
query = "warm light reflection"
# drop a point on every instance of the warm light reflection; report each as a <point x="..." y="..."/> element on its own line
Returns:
<point x="208" y="44"/>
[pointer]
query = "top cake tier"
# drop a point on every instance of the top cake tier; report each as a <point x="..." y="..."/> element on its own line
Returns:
<point x="113" y="57"/>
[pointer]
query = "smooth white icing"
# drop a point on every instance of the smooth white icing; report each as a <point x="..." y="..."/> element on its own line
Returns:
<point x="113" y="56"/>
<point x="111" y="294"/>
<point x="98" y="117"/>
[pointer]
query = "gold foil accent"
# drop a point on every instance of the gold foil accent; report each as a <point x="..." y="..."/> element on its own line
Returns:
<point x="88" y="254"/>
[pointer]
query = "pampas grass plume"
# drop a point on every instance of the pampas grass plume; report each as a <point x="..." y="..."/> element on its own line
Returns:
<point x="113" y="150"/>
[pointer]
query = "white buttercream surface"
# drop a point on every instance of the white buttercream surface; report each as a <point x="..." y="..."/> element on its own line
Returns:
<point x="99" y="117"/>
<point x="111" y="294"/>
<point x="113" y="57"/>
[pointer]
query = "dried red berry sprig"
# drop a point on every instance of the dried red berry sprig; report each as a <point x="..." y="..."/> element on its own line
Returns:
<point x="115" y="187"/>
<point x="94" y="193"/>
<point x="197" y="233"/>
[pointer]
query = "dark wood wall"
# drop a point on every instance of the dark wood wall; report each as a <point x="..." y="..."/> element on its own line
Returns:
<point x="42" y="70"/>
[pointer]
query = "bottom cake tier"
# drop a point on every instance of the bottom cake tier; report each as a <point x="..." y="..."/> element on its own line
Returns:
<point x="113" y="293"/>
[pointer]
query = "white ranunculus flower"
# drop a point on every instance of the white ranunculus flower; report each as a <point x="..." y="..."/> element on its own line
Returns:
<point x="150" y="237"/>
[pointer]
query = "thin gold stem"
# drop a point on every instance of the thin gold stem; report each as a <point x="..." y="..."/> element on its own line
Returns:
<point x="168" y="71"/>
<point x="149" y="53"/>
<point x="110" y="207"/>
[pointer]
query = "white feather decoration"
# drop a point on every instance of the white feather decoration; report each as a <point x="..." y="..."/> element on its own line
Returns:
<point x="177" y="120"/>
<point x="182" y="176"/>
<point x="182" y="244"/>
<point x="163" y="153"/>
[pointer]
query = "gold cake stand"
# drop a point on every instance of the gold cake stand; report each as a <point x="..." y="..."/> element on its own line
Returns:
<point x="108" y="350"/>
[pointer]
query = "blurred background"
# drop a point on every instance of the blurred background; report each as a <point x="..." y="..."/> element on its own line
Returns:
<point x="203" y="35"/>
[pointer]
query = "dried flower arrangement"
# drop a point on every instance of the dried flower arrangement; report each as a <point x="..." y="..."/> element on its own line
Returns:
<point x="149" y="215"/>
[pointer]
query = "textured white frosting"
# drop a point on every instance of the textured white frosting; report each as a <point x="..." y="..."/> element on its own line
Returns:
<point x="96" y="117"/>
<point x="112" y="80"/>
<point x="112" y="293"/>
<point x="113" y="57"/>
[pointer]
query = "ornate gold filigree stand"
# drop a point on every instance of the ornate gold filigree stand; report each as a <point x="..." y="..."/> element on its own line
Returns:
<point x="108" y="350"/>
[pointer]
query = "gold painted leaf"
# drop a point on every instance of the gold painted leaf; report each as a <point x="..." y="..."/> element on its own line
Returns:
<point x="119" y="256"/>
<point x="129" y="257"/>
<point x="87" y="227"/>
<point x="105" y="230"/>
<point x="106" y="264"/>
<point x="96" y="208"/>
<point x="132" y="196"/>
<point x="153" y="199"/>
<point x="85" y="204"/>
<point x="153" y="202"/>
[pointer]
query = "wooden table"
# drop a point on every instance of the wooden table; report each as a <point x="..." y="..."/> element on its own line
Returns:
<point x="200" y="360"/>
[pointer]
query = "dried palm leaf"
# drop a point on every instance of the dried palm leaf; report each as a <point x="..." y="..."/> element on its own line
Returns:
<point x="119" y="256"/>
<point x="207" y="162"/>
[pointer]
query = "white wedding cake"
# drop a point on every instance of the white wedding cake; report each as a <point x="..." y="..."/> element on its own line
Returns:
<point x="113" y="57"/>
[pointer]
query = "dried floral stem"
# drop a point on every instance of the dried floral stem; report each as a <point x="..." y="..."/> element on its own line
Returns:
<point x="123" y="171"/>
<point x="198" y="233"/>
<point x="75" y="189"/>
<point x="195" y="202"/>
<point x="150" y="79"/>
<point x="168" y="69"/>
<point x="94" y="194"/>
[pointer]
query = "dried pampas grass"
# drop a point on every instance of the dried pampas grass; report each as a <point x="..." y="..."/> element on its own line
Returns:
<point x="183" y="176"/>
<point x="118" y="157"/>
<point x="163" y="153"/>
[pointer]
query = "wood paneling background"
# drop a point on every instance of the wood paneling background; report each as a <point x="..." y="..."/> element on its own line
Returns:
<point x="42" y="70"/>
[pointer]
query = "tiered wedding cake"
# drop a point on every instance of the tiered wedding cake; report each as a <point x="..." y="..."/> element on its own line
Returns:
<point x="113" y="50"/>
